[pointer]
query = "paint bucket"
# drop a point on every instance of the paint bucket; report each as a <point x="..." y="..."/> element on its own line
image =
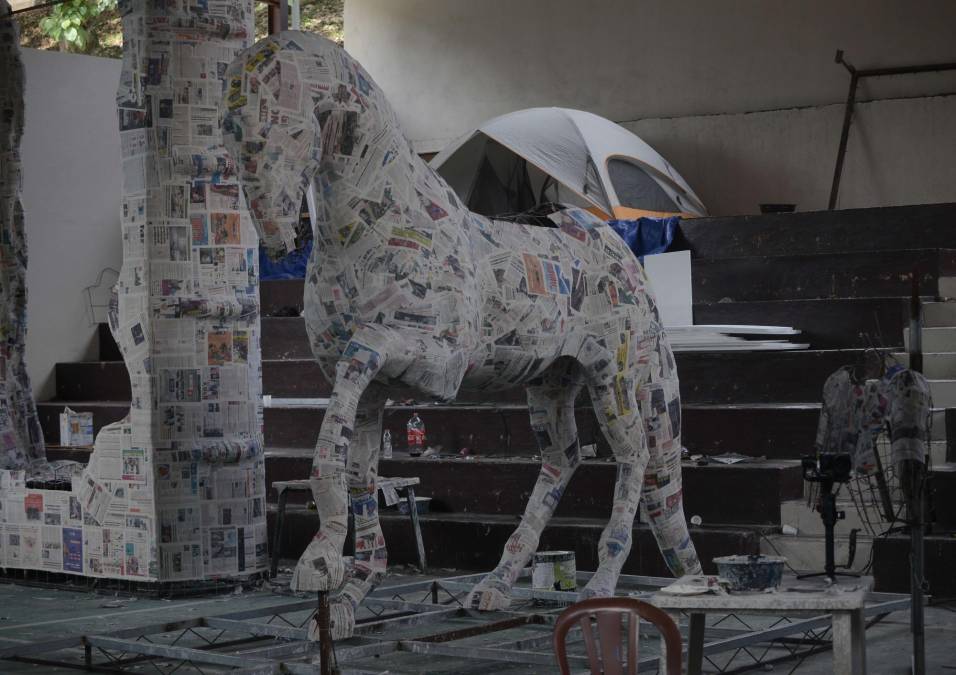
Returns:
<point x="751" y="572"/>
<point x="554" y="571"/>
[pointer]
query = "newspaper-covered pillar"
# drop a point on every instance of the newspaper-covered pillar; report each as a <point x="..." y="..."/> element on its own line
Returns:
<point x="185" y="312"/>
<point x="21" y="440"/>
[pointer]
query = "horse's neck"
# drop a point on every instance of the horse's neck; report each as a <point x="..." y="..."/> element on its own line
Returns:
<point x="360" y="193"/>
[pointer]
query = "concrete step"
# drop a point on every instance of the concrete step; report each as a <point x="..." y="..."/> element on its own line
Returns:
<point x="805" y="553"/>
<point x="943" y="497"/>
<point x="785" y="432"/>
<point x="891" y="568"/>
<point x="940" y="339"/>
<point x="706" y="377"/>
<point x="944" y="393"/>
<point x="808" y="522"/>
<point x="938" y="451"/>
<point x="866" y="274"/>
<point x="950" y="417"/>
<point x="939" y="314"/>
<point x="502" y="485"/>
<point x="280" y="297"/>
<point x="936" y="365"/>
<point x="474" y="541"/>
<point x="777" y="432"/>
<point x="107" y="348"/>
<point x="774" y="431"/>
<point x="874" y="229"/>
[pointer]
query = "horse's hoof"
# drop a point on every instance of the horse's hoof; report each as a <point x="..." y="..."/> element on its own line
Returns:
<point x="341" y="618"/>
<point x="598" y="587"/>
<point x="319" y="569"/>
<point x="487" y="597"/>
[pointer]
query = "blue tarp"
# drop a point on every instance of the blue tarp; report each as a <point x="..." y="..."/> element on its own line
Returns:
<point x="646" y="236"/>
<point x="290" y="266"/>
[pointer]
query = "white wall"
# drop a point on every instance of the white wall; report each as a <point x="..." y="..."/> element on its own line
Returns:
<point x="900" y="152"/>
<point x="71" y="197"/>
<point x="689" y="75"/>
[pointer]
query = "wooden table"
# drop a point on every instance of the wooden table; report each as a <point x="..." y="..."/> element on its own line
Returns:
<point x="386" y="485"/>
<point x="844" y="602"/>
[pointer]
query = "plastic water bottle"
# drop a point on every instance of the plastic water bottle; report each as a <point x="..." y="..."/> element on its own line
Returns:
<point x="387" y="445"/>
<point x="416" y="435"/>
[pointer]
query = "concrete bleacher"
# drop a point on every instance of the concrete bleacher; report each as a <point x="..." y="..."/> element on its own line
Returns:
<point x="843" y="277"/>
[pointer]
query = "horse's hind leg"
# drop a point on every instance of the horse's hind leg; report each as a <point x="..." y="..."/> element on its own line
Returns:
<point x="659" y="401"/>
<point x="551" y="405"/>
<point x="613" y="397"/>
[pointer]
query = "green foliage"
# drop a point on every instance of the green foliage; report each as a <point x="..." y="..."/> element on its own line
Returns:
<point x="70" y="23"/>
<point x="94" y="26"/>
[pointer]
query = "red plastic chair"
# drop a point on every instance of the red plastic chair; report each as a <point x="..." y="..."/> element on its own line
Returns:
<point x="604" y="653"/>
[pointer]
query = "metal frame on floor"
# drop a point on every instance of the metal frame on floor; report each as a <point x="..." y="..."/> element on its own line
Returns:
<point x="275" y="639"/>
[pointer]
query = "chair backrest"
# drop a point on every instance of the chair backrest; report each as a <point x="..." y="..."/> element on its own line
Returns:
<point x="604" y="650"/>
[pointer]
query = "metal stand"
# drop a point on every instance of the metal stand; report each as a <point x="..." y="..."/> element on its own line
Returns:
<point x="273" y="639"/>
<point x="830" y="516"/>
<point x="913" y="481"/>
<point x="325" y="634"/>
<point x="855" y="77"/>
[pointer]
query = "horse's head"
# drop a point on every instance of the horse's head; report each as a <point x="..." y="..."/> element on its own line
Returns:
<point x="270" y="128"/>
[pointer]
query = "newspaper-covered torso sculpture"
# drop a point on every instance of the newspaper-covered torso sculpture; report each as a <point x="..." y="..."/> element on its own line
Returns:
<point x="406" y="285"/>
<point x="21" y="440"/>
<point x="856" y="411"/>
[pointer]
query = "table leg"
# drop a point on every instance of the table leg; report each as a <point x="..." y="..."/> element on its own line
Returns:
<point x="695" y="644"/>
<point x="849" y="643"/>
<point x="277" y="538"/>
<point x="858" y="629"/>
<point x="413" y="512"/>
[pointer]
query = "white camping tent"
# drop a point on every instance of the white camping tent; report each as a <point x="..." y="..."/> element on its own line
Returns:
<point x="513" y="162"/>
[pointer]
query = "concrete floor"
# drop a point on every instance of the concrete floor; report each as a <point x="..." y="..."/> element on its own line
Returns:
<point x="29" y="614"/>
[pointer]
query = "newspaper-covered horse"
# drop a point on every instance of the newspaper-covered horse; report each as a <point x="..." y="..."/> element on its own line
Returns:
<point x="407" y="286"/>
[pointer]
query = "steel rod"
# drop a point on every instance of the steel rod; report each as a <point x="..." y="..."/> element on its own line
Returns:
<point x="855" y="77"/>
<point x="172" y="652"/>
<point x="325" y="634"/>
<point x="844" y="139"/>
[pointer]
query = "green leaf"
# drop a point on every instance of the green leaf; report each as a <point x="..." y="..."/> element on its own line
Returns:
<point x="71" y="34"/>
<point x="65" y="23"/>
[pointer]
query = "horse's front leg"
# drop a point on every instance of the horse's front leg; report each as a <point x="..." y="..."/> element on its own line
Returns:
<point x="321" y="567"/>
<point x="371" y="558"/>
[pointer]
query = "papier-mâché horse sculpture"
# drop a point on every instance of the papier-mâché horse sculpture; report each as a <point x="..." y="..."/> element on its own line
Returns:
<point x="405" y="285"/>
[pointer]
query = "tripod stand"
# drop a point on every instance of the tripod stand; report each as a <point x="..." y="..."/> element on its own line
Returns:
<point x="828" y="470"/>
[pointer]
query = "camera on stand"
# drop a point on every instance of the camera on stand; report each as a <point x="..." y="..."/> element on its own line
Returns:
<point x="829" y="469"/>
